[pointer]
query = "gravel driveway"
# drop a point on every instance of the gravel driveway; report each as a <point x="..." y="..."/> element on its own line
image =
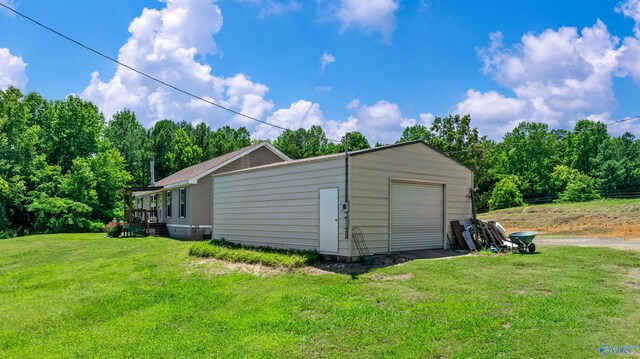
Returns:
<point x="616" y="243"/>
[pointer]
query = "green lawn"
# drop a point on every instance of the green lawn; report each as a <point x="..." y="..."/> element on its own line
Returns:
<point x="87" y="296"/>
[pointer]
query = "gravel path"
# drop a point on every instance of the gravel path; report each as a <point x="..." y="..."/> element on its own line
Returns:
<point x="616" y="243"/>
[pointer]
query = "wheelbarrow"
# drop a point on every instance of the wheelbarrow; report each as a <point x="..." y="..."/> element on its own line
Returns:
<point x="524" y="241"/>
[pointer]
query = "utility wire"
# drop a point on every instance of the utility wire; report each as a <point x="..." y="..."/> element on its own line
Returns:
<point x="86" y="47"/>
<point x="623" y="120"/>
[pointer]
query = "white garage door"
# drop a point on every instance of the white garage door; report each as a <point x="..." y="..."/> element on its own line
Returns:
<point x="417" y="216"/>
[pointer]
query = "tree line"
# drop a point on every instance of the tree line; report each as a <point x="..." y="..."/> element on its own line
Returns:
<point x="62" y="164"/>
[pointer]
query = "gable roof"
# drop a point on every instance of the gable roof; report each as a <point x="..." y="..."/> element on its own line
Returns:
<point x="341" y="155"/>
<point x="193" y="173"/>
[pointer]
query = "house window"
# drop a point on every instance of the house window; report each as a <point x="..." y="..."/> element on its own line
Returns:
<point x="153" y="204"/>
<point x="183" y="202"/>
<point x="168" y="204"/>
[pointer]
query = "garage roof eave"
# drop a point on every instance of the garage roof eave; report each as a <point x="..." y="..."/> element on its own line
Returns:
<point x="369" y="150"/>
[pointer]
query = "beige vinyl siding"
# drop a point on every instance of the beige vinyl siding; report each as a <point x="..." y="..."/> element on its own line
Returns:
<point x="175" y="204"/>
<point x="259" y="157"/>
<point x="370" y="178"/>
<point x="199" y="195"/>
<point x="277" y="206"/>
<point x="200" y="203"/>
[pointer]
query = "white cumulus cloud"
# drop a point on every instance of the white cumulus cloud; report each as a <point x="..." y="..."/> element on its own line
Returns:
<point x="631" y="9"/>
<point x="557" y="77"/>
<point x="325" y="60"/>
<point x="382" y="122"/>
<point x="369" y="16"/>
<point x="630" y="50"/>
<point x="169" y="44"/>
<point x="426" y="119"/>
<point x="304" y="114"/>
<point x="12" y="70"/>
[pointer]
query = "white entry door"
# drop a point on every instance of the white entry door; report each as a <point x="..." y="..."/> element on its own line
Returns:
<point x="329" y="220"/>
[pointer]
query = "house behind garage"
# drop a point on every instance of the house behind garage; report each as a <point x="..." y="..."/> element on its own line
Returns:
<point x="401" y="197"/>
<point x="182" y="201"/>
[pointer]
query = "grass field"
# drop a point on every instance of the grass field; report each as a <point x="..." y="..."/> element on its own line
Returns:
<point x="83" y="295"/>
<point x="609" y="218"/>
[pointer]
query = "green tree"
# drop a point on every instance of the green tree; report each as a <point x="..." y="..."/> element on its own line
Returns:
<point x="583" y="145"/>
<point x="18" y="150"/>
<point x="55" y="215"/>
<point x="618" y="165"/>
<point x="529" y="153"/>
<point x="302" y="143"/>
<point x="562" y="176"/>
<point x="416" y="132"/>
<point x="110" y="174"/>
<point x="182" y="152"/>
<point x="79" y="183"/>
<point x="357" y="141"/>
<point x="581" y="189"/>
<point x="77" y="126"/>
<point x="162" y="137"/>
<point x="505" y="195"/>
<point x="200" y="138"/>
<point x="129" y="137"/>
<point x="225" y="140"/>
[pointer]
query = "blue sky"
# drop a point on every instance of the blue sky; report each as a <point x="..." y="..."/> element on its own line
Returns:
<point x="388" y="64"/>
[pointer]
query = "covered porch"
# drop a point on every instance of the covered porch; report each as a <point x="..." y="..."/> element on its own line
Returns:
<point x="138" y="219"/>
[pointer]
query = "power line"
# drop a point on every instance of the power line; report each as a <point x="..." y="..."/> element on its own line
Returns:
<point x="86" y="47"/>
<point x="623" y="120"/>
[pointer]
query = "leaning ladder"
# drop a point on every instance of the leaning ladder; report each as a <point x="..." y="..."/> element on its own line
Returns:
<point x="361" y="244"/>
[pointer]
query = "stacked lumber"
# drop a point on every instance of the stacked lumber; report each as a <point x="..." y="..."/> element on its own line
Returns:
<point x="489" y="233"/>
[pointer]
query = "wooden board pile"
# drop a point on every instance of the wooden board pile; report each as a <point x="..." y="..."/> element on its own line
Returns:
<point x="487" y="234"/>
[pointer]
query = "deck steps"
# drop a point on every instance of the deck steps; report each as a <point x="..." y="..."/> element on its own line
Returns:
<point x="158" y="230"/>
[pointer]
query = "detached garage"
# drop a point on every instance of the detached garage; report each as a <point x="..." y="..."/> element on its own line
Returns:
<point x="401" y="197"/>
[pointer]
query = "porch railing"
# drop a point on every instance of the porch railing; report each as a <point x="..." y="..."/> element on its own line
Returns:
<point x="139" y="215"/>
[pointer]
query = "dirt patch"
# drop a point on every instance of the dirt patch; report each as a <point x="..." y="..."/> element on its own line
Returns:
<point x="634" y="275"/>
<point x="603" y="219"/>
<point x="215" y="266"/>
<point x="354" y="268"/>
<point x="212" y="266"/>
<point x="399" y="277"/>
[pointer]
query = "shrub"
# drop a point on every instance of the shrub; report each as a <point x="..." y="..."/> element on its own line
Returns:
<point x="225" y="250"/>
<point x="113" y="229"/>
<point x="580" y="189"/>
<point x="7" y="233"/>
<point x="504" y="195"/>
<point x="60" y="215"/>
<point x="137" y="232"/>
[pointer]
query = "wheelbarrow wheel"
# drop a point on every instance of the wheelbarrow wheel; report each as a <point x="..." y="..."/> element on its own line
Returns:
<point x="532" y="248"/>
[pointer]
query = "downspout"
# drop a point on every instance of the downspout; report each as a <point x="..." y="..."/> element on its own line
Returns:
<point x="345" y="205"/>
<point x="152" y="172"/>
